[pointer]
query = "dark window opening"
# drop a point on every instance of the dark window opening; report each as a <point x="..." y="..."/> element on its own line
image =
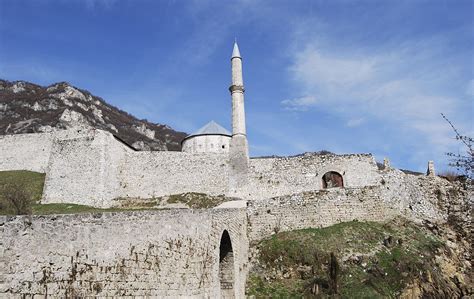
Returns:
<point x="332" y="179"/>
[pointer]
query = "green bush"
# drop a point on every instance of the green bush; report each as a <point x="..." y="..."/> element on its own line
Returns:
<point x="19" y="191"/>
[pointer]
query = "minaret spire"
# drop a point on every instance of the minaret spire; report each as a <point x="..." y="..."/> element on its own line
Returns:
<point x="236" y="52"/>
<point x="238" y="150"/>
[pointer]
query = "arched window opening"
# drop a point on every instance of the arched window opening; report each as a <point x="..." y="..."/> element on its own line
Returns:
<point x="332" y="179"/>
<point x="226" y="266"/>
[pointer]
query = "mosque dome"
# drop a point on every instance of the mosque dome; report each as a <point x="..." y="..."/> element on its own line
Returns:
<point x="211" y="138"/>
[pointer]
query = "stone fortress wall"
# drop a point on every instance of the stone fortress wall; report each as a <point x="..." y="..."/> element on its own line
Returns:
<point x="25" y="151"/>
<point x="83" y="169"/>
<point x="153" y="174"/>
<point x="177" y="253"/>
<point x="166" y="254"/>
<point x="93" y="168"/>
<point x="315" y="209"/>
<point x="278" y="176"/>
<point x="414" y="197"/>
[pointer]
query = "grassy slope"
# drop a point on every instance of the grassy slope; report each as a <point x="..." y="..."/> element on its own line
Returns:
<point x="66" y="208"/>
<point x="295" y="263"/>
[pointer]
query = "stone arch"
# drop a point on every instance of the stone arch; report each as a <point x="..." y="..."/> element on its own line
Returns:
<point x="226" y="266"/>
<point x="332" y="179"/>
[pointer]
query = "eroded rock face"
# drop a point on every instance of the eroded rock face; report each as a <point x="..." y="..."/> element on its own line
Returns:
<point x="30" y="108"/>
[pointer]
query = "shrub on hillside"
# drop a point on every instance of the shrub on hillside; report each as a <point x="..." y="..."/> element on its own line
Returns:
<point x="15" y="198"/>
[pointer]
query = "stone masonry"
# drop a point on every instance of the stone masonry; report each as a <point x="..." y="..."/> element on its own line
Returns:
<point x="179" y="252"/>
<point x="166" y="254"/>
<point x="72" y="160"/>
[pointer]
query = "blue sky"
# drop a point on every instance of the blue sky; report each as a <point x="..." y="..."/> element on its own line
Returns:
<point x="344" y="76"/>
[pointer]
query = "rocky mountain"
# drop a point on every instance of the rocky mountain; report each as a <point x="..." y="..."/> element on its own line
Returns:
<point x="30" y="108"/>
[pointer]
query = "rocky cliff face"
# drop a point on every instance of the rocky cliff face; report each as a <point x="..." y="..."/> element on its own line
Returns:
<point x="30" y="108"/>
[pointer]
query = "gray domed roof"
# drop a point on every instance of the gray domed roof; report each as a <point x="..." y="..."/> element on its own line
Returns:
<point x="211" y="128"/>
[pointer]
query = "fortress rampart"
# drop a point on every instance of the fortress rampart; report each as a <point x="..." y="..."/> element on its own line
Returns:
<point x="167" y="254"/>
<point x="151" y="174"/>
<point x="25" y="151"/>
<point x="178" y="252"/>
<point x="277" y="176"/>
<point x="94" y="168"/>
<point x="315" y="209"/>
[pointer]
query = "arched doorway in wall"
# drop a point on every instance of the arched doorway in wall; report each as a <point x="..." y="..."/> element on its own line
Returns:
<point x="226" y="266"/>
<point x="332" y="179"/>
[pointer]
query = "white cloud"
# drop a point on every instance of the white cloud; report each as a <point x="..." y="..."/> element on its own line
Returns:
<point x="313" y="68"/>
<point x="398" y="88"/>
<point x="300" y="103"/>
<point x="354" y="122"/>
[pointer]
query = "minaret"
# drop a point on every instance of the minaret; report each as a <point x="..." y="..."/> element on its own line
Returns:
<point x="238" y="151"/>
<point x="237" y="91"/>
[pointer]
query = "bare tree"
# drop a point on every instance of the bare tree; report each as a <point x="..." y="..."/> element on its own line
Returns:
<point x="463" y="162"/>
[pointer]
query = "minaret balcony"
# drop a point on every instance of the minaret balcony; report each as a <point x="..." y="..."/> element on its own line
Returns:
<point x="233" y="88"/>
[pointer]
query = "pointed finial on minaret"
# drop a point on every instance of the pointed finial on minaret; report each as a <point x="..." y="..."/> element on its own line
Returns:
<point x="236" y="52"/>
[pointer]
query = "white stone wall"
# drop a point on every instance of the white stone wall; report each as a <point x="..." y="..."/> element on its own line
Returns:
<point x="153" y="174"/>
<point x="269" y="177"/>
<point x="166" y="254"/>
<point x="206" y="144"/>
<point x="91" y="167"/>
<point x="417" y="196"/>
<point x="84" y="169"/>
<point x="25" y="151"/>
<point x="414" y="197"/>
<point x="315" y="209"/>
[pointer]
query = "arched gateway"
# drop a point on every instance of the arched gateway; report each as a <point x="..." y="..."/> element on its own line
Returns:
<point x="226" y="266"/>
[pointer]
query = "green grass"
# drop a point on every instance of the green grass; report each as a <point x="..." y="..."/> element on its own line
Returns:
<point x="197" y="200"/>
<point x="261" y="289"/>
<point x="67" y="208"/>
<point x="375" y="271"/>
